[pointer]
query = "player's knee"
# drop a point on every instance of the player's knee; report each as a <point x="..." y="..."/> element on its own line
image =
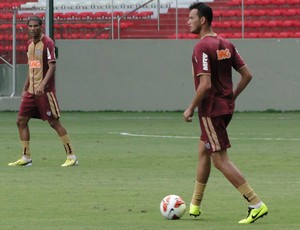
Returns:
<point x="54" y="124"/>
<point x="217" y="164"/>
<point x="21" y="122"/>
<point x="218" y="161"/>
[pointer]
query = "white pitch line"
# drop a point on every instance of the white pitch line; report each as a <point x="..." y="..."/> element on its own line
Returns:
<point x="190" y="137"/>
<point x="156" y="136"/>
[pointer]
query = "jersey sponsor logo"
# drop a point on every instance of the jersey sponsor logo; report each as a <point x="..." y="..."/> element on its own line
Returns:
<point x="205" y="61"/>
<point x="223" y="54"/>
<point x="35" y="64"/>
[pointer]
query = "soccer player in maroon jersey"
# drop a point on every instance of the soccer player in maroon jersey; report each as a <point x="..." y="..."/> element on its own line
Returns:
<point x="213" y="58"/>
<point x="38" y="97"/>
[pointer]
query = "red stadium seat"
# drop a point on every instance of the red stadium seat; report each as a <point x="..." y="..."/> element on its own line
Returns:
<point x="278" y="2"/>
<point x="6" y="17"/>
<point x="143" y="14"/>
<point x="104" y="36"/>
<point x="253" y="24"/>
<point x="268" y="35"/>
<point x="262" y="2"/>
<point x="290" y="12"/>
<point x="237" y="24"/>
<point x="24" y="16"/>
<point x="296" y="35"/>
<point x="234" y="3"/>
<point x="102" y="15"/>
<point x="251" y="35"/>
<point x="118" y="14"/>
<point x="272" y="23"/>
<point x="249" y="2"/>
<point x="85" y="15"/>
<point x="274" y="12"/>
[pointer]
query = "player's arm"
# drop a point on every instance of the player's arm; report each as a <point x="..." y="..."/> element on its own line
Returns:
<point x="26" y="85"/>
<point x="244" y="81"/>
<point x="49" y="75"/>
<point x="202" y="90"/>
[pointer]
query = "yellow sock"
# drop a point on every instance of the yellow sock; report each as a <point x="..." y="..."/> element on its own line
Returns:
<point x="25" y="149"/>
<point x="67" y="144"/>
<point x="249" y="194"/>
<point x="198" y="193"/>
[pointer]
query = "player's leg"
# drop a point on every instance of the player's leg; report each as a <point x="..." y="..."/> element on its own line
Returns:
<point x="49" y="110"/>
<point x="27" y="110"/>
<point x="203" y="172"/>
<point x="25" y="160"/>
<point x="222" y="162"/>
<point x="62" y="133"/>
<point x="257" y="208"/>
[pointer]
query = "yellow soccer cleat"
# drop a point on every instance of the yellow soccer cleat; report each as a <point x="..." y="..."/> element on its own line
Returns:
<point x="194" y="210"/>
<point x="21" y="162"/>
<point x="70" y="162"/>
<point x="254" y="214"/>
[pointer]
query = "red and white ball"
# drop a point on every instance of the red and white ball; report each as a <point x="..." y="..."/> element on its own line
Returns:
<point x="172" y="207"/>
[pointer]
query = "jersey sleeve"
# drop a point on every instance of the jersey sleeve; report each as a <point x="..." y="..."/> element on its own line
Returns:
<point x="201" y="61"/>
<point x="238" y="61"/>
<point x="50" y="49"/>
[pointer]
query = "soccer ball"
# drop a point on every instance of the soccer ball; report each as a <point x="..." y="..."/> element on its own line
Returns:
<point x="172" y="207"/>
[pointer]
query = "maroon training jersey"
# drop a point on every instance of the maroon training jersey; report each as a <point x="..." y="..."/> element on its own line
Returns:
<point x="39" y="55"/>
<point x="216" y="56"/>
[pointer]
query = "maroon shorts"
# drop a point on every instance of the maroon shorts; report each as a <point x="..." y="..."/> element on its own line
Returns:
<point x="214" y="133"/>
<point x="43" y="107"/>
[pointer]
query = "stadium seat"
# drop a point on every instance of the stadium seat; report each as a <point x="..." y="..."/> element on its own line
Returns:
<point x="248" y="2"/>
<point x="272" y="23"/>
<point x="290" y="12"/>
<point x="296" y="34"/>
<point x="268" y="35"/>
<point x="278" y="2"/>
<point x="41" y="15"/>
<point x="6" y="17"/>
<point x="261" y="2"/>
<point x="101" y="15"/>
<point x="234" y="3"/>
<point x="251" y="35"/>
<point x="85" y="15"/>
<point x="274" y="12"/>
<point x="24" y="16"/>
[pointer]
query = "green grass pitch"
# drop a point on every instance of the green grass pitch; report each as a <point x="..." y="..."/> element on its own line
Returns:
<point x="129" y="161"/>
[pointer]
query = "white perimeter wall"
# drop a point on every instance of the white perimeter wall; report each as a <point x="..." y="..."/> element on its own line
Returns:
<point x="156" y="75"/>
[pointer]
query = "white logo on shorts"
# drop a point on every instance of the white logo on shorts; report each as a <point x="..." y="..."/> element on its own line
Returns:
<point x="48" y="113"/>
<point x="207" y="145"/>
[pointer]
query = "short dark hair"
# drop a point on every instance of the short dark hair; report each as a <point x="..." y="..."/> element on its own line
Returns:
<point x="203" y="11"/>
<point x="36" y="19"/>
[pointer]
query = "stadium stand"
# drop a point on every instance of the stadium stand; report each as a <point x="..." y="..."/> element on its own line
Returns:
<point x="92" y="19"/>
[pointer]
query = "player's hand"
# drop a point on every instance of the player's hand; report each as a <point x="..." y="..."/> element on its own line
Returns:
<point x="40" y="90"/>
<point x="188" y="114"/>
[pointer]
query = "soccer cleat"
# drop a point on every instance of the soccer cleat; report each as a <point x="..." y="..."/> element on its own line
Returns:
<point x="70" y="162"/>
<point x="254" y="214"/>
<point x="21" y="162"/>
<point x="194" y="210"/>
